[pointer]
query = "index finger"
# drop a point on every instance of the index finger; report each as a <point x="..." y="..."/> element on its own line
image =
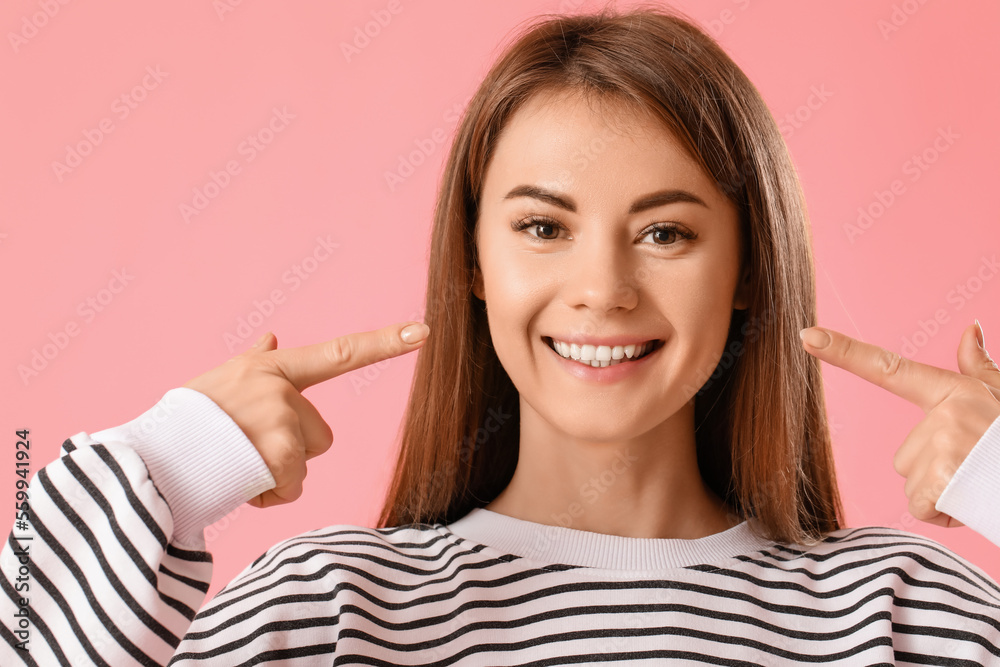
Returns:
<point x="307" y="365"/>
<point x="921" y="384"/>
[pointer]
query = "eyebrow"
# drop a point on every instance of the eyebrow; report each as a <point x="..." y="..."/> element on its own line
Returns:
<point x="659" y="198"/>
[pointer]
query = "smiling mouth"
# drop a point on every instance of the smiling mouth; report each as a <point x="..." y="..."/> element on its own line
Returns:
<point x="603" y="355"/>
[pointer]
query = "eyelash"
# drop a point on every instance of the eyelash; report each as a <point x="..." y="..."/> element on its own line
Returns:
<point x="536" y="221"/>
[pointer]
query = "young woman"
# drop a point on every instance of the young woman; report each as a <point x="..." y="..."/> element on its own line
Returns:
<point x="615" y="447"/>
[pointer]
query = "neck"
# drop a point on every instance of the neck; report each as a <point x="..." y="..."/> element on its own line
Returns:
<point x="646" y="486"/>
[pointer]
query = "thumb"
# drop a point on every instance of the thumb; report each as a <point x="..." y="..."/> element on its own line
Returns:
<point x="265" y="343"/>
<point x="975" y="361"/>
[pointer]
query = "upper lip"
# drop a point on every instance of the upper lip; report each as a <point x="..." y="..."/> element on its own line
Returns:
<point x="610" y="341"/>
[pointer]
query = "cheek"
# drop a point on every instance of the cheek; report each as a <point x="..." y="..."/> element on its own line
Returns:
<point x="698" y="305"/>
<point x="514" y="280"/>
<point x="514" y="292"/>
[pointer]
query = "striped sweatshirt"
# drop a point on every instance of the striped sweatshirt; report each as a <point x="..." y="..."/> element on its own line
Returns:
<point x="110" y="568"/>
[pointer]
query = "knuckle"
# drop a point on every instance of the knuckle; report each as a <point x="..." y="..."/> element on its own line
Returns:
<point x="240" y="367"/>
<point x="339" y="351"/>
<point x="889" y="363"/>
<point x="847" y="347"/>
<point x="291" y="450"/>
<point x="925" y="501"/>
<point x="899" y="465"/>
<point x="292" y="492"/>
<point x="287" y="392"/>
<point x="284" y="452"/>
<point x="288" y="419"/>
<point x="942" y="476"/>
<point x="947" y="411"/>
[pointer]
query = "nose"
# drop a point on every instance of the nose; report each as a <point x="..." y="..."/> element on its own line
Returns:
<point x="604" y="276"/>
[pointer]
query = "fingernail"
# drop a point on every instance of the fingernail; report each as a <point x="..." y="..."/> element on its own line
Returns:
<point x="979" y="335"/>
<point x="817" y="338"/>
<point x="260" y="341"/>
<point x="415" y="333"/>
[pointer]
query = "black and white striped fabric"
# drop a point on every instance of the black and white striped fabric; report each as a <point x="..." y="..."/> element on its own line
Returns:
<point x="116" y="578"/>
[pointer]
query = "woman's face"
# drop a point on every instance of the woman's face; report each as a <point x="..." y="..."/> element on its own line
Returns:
<point x="596" y="270"/>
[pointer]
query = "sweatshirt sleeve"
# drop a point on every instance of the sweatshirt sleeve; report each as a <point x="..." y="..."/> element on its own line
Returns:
<point x="111" y="564"/>
<point x="973" y="494"/>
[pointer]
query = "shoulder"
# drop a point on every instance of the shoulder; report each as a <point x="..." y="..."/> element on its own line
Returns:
<point x="889" y="556"/>
<point x="314" y="567"/>
<point x="351" y="549"/>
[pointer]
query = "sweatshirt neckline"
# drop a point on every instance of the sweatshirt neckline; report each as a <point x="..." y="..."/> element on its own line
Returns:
<point x="571" y="546"/>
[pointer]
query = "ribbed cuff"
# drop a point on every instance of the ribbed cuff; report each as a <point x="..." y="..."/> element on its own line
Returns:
<point x="973" y="494"/>
<point x="198" y="458"/>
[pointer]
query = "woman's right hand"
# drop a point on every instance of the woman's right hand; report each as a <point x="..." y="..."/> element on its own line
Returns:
<point x="260" y="390"/>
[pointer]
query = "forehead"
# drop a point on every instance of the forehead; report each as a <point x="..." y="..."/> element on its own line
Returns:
<point x="567" y="141"/>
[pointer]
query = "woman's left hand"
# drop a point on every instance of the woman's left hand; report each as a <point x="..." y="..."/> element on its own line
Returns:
<point x="959" y="407"/>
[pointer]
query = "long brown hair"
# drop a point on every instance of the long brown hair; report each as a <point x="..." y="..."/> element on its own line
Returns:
<point x="762" y="436"/>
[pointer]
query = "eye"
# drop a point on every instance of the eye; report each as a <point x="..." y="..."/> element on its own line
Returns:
<point x="537" y="223"/>
<point x="668" y="232"/>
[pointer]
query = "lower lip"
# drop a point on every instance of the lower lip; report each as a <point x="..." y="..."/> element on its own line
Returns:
<point x="607" y="374"/>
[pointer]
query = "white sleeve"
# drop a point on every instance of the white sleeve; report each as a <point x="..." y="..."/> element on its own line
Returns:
<point x="113" y="565"/>
<point x="973" y="494"/>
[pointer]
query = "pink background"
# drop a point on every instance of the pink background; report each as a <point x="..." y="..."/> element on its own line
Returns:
<point x="878" y="98"/>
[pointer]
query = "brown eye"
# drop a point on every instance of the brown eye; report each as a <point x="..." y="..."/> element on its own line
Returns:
<point x="669" y="234"/>
<point x="666" y="235"/>
<point x="547" y="229"/>
<point x="550" y="229"/>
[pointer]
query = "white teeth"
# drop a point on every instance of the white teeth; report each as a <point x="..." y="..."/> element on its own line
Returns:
<point x="599" y="356"/>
